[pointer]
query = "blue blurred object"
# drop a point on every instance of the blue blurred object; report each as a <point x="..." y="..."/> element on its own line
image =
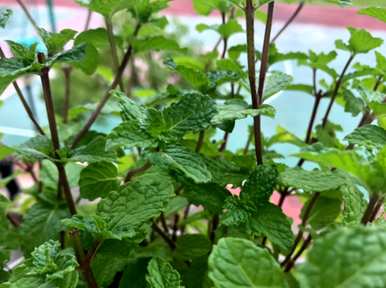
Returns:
<point x="51" y="15"/>
<point x="29" y="41"/>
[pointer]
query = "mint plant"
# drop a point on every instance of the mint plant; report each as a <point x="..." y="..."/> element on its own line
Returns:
<point x="152" y="201"/>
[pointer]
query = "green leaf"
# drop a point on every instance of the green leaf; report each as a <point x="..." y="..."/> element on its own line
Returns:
<point x="353" y="104"/>
<point x="324" y="213"/>
<point x="143" y="199"/>
<point x="350" y="162"/>
<point x="192" y="113"/>
<point x="117" y="254"/>
<point x="195" y="77"/>
<point x="161" y="274"/>
<point x="192" y="246"/>
<point x="368" y="136"/>
<point x="93" y="224"/>
<point x="238" y="109"/>
<point x="260" y="184"/>
<point x="97" y="37"/>
<point x="130" y="134"/>
<point x="361" y="41"/>
<point x="12" y="68"/>
<point x="237" y="212"/>
<point x="179" y="158"/>
<point x="48" y="266"/>
<point x="210" y="195"/>
<point x="5" y="151"/>
<point x="55" y="42"/>
<point x="276" y="81"/>
<point x="375" y="12"/>
<point x="229" y="28"/>
<point x="92" y="152"/>
<point x="36" y="148"/>
<point x="41" y="223"/>
<point x="203" y="7"/>
<point x="240" y="263"/>
<point x="311" y="181"/>
<point x="156" y="43"/>
<point x="106" y="7"/>
<point x="347" y="257"/>
<point x="225" y="172"/>
<point x="98" y="179"/>
<point x="354" y="204"/>
<point x="20" y="51"/>
<point x="5" y="14"/>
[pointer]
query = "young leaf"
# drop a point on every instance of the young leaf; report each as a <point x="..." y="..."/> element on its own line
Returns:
<point x="347" y="257"/>
<point x="161" y="274"/>
<point x="238" y="109"/>
<point x="311" y="181"/>
<point x="271" y="222"/>
<point x="129" y="134"/>
<point x="136" y="204"/>
<point x="55" y="42"/>
<point x="48" y="266"/>
<point x="276" y="81"/>
<point x="106" y="7"/>
<point x="92" y="152"/>
<point x="36" y="148"/>
<point x="41" y="223"/>
<point x="156" y="43"/>
<point x="98" y="179"/>
<point x="260" y="184"/>
<point x="236" y="263"/>
<point x="178" y="158"/>
<point x="376" y="12"/>
<point x="360" y="41"/>
<point x="368" y="136"/>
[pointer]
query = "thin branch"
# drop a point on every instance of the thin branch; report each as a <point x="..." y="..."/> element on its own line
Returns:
<point x="67" y="91"/>
<point x="200" y="141"/>
<point x="168" y="241"/>
<point x="336" y="89"/>
<point x="289" y="21"/>
<point x="24" y="102"/>
<point x="304" y="246"/>
<point x="29" y="16"/>
<point x="131" y="173"/>
<point x="113" y="47"/>
<point x="257" y="95"/>
<point x="299" y="237"/>
<point x="107" y="95"/>
<point x="370" y="208"/>
<point x="88" y="20"/>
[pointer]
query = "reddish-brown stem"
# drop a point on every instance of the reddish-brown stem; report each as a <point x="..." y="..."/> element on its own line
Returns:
<point x="23" y="101"/>
<point x="67" y="90"/>
<point x="107" y="95"/>
<point x="289" y="21"/>
<point x="370" y="208"/>
<point x="299" y="237"/>
<point x="131" y="173"/>
<point x="164" y="236"/>
<point x="251" y="55"/>
<point x="61" y="171"/>
<point x="304" y="246"/>
<point x="200" y="141"/>
<point x="338" y="84"/>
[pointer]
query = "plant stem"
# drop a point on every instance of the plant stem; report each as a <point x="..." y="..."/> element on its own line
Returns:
<point x="336" y="89"/>
<point x="299" y="237"/>
<point x="304" y="246"/>
<point x="289" y="21"/>
<point x="44" y="76"/>
<point x="24" y="102"/>
<point x="88" y="20"/>
<point x="113" y="47"/>
<point x="200" y="141"/>
<point x="131" y="173"/>
<point x="164" y="236"/>
<point x="67" y="91"/>
<point x="370" y="208"/>
<point x="257" y="96"/>
<point x="29" y="16"/>
<point x="107" y="95"/>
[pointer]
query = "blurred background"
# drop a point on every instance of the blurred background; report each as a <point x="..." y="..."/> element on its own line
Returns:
<point x="316" y="27"/>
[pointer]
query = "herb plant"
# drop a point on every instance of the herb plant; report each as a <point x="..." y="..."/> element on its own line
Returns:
<point x="152" y="202"/>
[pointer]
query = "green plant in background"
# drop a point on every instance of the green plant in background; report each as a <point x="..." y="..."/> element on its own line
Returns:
<point x="147" y="205"/>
